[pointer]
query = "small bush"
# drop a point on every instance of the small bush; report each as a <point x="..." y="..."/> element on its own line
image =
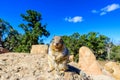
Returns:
<point x="115" y="56"/>
<point x="115" y="53"/>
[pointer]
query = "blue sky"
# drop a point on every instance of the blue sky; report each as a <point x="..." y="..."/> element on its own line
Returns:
<point x="65" y="17"/>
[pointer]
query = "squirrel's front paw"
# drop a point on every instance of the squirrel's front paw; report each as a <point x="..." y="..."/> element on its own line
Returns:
<point x="58" y="59"/>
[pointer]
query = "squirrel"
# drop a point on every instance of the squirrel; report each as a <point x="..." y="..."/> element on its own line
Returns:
<point x="58" y="55"/>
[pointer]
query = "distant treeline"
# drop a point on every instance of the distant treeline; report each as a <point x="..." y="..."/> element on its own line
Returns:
<point x="101" y="45"/>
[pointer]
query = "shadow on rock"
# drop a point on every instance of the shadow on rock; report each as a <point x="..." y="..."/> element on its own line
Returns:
<point x="73" y="69"/>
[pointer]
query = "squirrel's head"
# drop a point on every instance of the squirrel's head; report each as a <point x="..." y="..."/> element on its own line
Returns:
<point x="57" y="43"/>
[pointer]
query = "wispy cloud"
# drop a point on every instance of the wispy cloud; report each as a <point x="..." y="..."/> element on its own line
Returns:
<point x="110" y="8"/>
<point x="107" y="9"/>
<point x="94" y="11"/>
<point x="74" y="19"/>
<point x="103" y="13"/>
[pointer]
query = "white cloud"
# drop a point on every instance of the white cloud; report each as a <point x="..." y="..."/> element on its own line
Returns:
<point x="110" y="8"/>
<point x="74" y="19"/>
<point x="107" y="9"/>
<point x="94" y="11"/>
<point x="103" y="13"/>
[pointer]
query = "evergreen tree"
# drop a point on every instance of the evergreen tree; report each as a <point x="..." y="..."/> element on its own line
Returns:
<point x="5" y="30"/>
<point x="33" y="29"/>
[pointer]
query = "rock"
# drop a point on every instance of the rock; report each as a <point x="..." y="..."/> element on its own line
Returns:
<point x="14" y="66"/>
<point x="73" y="73"/>
<point x="102" y="77"/>
<point x="3" y="50"/>
<point x="74" y="76"/>
<point x="114" y="69"/>
<point x="20" y="66"/>
<point x="24" y="66"/>
<point x="87" y="62"/>
<point x="39" y="49"/>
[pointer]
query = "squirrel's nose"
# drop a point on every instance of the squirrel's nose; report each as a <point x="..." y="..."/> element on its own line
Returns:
<point x="57" y="44"/>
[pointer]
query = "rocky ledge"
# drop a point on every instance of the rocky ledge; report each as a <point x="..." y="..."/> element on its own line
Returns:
<point x="23" y="66"/>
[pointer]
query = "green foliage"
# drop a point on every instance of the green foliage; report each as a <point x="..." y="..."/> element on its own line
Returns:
<point x="93" y="40"/>
<point x="33" y="29"/>
<point x="97" y="44"/>
<point x="8" y="35"/>
<point x="3" y="30"/>
<point x="12" y="40"/>
<point x="33" y="34"/>
<point x="115" y="53"/>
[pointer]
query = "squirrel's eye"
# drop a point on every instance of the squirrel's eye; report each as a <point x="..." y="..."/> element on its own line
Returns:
<point x="61" y="40"/>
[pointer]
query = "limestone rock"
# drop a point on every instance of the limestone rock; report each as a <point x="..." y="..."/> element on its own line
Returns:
<point x="3" y="50"/>
<point x="102" y="77"/>
<point x="20" y="66"/>
<point x="114" y="69"/>
<point x="39" y="49"/>
<point x="87" y="62"/>
<point x="25" y="66"/>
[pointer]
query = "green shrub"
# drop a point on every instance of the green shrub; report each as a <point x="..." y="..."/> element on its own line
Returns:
<point x="115" y="53"/>
<point x="93" y="40"/>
